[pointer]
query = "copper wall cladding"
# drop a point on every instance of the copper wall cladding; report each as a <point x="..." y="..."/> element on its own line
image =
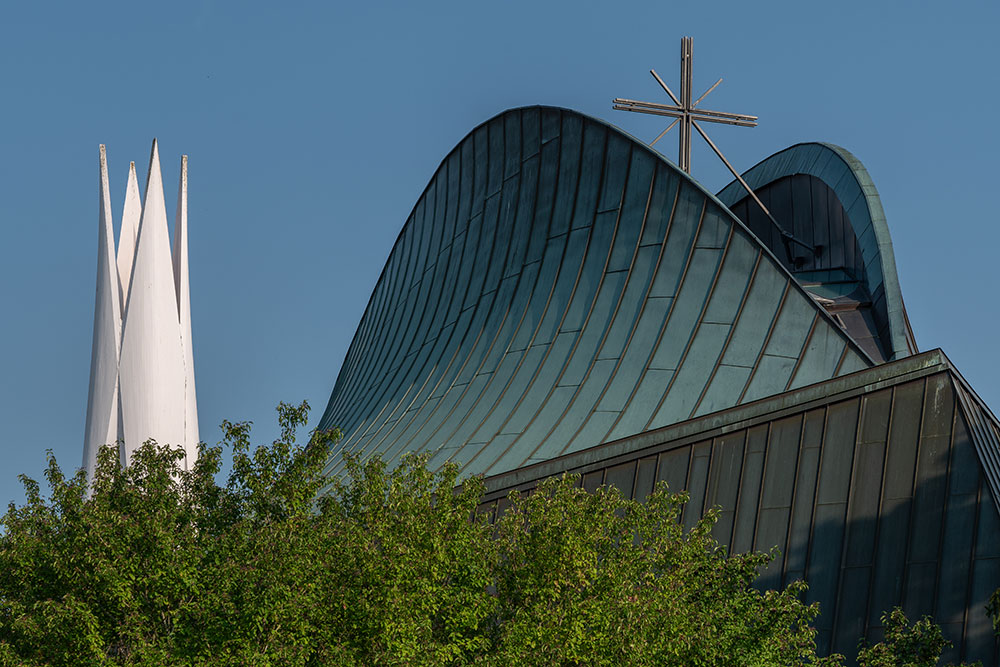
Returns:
<point x="870" y="485"/>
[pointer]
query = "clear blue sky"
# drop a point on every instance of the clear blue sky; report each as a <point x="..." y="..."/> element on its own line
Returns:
<point x="312" y="129"/>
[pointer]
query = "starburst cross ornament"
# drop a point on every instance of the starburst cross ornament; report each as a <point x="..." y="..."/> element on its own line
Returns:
<point x="687" y="113"/>
<point x="684" y="111"/>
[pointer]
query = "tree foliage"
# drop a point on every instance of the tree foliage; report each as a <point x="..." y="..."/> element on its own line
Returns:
<point x="599" y="579"/>
<point x="158" y="565"/>
<point x="904" y="644"/>
<point x="993" y="610"/>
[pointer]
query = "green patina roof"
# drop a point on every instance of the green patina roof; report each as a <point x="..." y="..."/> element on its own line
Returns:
<point x="853" y="186"/>
<point x="559" y="285"/>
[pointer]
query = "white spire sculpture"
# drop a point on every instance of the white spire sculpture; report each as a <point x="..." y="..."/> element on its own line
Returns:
<point x="142" y="366"/>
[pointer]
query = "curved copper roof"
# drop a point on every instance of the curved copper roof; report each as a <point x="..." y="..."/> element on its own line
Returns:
<point x="559" y="285"/>
<point x="849" y="188"/>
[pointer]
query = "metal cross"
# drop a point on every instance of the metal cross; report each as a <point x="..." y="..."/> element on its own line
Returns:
<point x="687" y="113"/>
<point x="684" y="111"/>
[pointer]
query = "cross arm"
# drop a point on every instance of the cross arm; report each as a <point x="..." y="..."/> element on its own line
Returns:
<point x="665" y="87"/>
<point x="710" y="115"/>
<point x="786" y="236"/>
<point x="674" y="112"/>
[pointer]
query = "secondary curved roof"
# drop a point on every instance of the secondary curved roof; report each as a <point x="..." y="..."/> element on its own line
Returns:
<point x="852" y="188"/>
<point x="559" y="285"/>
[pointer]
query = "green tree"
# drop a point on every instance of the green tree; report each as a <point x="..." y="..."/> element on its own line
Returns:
<point x="904" y="645"/>
<point x="596" y="579"/>
<point x="993" y="609"/>
<point x="160" y="565"/>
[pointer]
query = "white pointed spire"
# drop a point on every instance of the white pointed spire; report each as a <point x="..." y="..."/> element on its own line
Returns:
<point x="102" y="400"/>
<point x="142" y="371"/>
<point x="183" y="293"/>
<point x="130" y="229"/>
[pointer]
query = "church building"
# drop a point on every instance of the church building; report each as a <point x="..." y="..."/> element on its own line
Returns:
<point x="564" y="298"/>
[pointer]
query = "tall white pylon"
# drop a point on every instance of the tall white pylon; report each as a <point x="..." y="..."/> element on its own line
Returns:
<point x="142" y="365"/>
